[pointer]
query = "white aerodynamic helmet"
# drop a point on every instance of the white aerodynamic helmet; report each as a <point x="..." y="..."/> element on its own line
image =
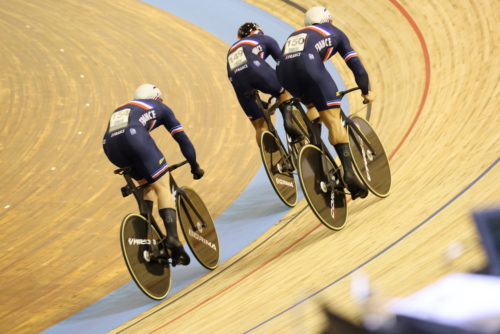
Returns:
<point x="317" y="15"/>
<point x="147" y="92"/>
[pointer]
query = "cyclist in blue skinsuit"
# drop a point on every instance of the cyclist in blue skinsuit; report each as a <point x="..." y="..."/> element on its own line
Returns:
<point x="247" y="70"/>
<point x="302" y="72"/>
<point x="127" y="143"/>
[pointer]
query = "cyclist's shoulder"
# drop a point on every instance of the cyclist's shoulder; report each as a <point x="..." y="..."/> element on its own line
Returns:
<point x="250" y="40"/>
<point x="323" y="29"/>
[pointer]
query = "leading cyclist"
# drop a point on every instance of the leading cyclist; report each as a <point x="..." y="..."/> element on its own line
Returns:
<point x="127" y="143"/>
<point x="302" y="72"/>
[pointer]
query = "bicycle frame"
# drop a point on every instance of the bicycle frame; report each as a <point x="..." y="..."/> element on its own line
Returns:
<point x="349" y="124"/>
<point x="179" y="192"/>
<point x="138" y="192"/>
<point x="315" y="138"/>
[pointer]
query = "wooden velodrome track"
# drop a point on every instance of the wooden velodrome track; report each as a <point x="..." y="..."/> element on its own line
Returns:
<point x="433" y="66"/>
<point x="60" y="251"/>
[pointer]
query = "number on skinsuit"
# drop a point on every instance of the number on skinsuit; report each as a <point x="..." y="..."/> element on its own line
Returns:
<point x="237" y="58"/>
<point x="119" y="120"/>
<point x="295" y="43"/>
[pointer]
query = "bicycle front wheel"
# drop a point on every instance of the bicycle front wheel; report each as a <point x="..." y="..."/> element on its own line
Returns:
<point x="315" y="172"/>
<point x="373" y="169"/>
<point x="201" y="238"/>
<point x="151" y="276"/>
<point x="282" y="181"/>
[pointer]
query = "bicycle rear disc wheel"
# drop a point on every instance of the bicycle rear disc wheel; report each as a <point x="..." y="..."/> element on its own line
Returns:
<point x="374" y="170"/>
<point x="202" y="240"/>
<point x="152" y="277"/>
<point x="330" y="206"/>
<point x="282" y="181"/>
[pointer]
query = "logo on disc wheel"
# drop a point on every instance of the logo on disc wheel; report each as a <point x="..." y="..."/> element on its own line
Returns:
<point x="134" y="241"/>
<point x="285" y="183"/>
<point x="201" y="239"/>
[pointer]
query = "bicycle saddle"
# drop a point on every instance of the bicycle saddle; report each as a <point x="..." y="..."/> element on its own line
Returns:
<point x="122" y="171"/>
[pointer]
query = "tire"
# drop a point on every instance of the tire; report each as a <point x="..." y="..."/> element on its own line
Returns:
<point x="283" y="182"/>
<point x="311" y="175"/>
<point x="151" y="276"/>
<point x="374" y="170"/>
<point x="202" y="240"/>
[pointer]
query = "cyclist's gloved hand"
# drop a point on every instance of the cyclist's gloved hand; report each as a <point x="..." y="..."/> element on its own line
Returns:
<point x="369" y="98"/>
<point x="197" y="172"/>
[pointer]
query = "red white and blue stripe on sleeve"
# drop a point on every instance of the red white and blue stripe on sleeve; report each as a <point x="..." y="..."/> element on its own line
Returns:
<point x="141" y="104"/>
<point x="159" y="171"/>
<point x="176" y="129"/>
<point x="333" y="103"/>
<point x="350" y="55"/>
<point x="246" y="41"/>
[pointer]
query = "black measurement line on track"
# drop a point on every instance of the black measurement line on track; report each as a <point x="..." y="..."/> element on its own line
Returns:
<point x="293" y="4"/>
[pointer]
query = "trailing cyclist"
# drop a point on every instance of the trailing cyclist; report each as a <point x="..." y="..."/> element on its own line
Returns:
<point x="248" y="70"/>
<point x="302" y="72"/>
<point x="127" y="143"/>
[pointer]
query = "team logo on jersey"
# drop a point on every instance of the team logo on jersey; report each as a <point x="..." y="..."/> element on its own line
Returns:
<point x="132" y="131"/>
<point x="292" y="55"/>
<point x="258" y="49"/>
<point x="161" y="161"/>
<point x="117" y="133"/>
<point x="241" y="68"/>
<point x="311" y="56"/>
<point x="256" y="62"/>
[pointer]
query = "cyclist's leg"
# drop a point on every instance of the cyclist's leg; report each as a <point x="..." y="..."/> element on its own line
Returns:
<point x="336" y="131"/>
<point x="166" y="209"/>
<point x="260" y="126"/>
<point x="149" y="199"/>
<point x="266" y="81"/>
<point x="321" y="91"/>
<point x="313" y="115"/>
<point x="242" y="84"/>
<point x="150" y="163"/>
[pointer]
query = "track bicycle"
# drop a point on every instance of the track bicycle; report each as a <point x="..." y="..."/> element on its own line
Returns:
<point x="279" y="162"/>
<point x="320" y="176"/>
<point x="143" y="243"/>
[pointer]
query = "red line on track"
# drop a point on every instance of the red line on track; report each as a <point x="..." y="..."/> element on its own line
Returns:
<point x="421" y="107"/>
<point x="427" y="60"/>
<point x="241" y="279"/>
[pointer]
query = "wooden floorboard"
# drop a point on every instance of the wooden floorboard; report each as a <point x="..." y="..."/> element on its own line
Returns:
<point x="65" y="66"/>
<point x="433" y="66"/>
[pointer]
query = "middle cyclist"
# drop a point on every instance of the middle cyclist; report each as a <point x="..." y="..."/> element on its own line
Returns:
<point x="247" y="70"/>
<point x="302" y="72"/>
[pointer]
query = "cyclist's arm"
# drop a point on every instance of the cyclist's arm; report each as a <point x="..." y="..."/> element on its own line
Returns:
<point x="273" y="48"/>
<point x="175" y="128"/>
<point x="351" y="58"/>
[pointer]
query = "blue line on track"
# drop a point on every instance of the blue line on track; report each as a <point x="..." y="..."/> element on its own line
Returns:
<point x="384" y="250"/>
